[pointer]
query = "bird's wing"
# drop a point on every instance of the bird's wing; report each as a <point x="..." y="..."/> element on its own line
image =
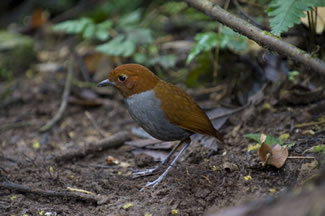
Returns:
<point x="183" y="111"/>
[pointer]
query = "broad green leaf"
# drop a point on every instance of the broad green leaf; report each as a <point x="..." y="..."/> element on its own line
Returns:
<point x="205" y="41"/>
<point x="270" y="140"/>
<point x="284" y="14"/>
<point x="227" y="38"/>
<point x="119" y="46"/>
<point x="232" y="40"/>
<point x="130" y="18"/>
<point x="319" y="148"/>
<point x="102" y="30"/>
<point x="89" y="31"/>
<point x="73" y="26"/>
<point x="140" y="35"/>
<point x="166" y="61"/>
<point x="85" y="27"/>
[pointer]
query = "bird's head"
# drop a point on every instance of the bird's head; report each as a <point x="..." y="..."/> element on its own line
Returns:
<point x="130" y="79"/>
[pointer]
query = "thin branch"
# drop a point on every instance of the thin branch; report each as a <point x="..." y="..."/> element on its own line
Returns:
<point x="19" y="188"/>
<point x="263" y="38"/>
<point x="301" y="157"/>
<point x="113" y="141"/>
<point x="94" y="123"/>
<point x="65" y="97"/>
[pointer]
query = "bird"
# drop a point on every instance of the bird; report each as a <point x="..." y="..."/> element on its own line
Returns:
<point x="162" y="109"/>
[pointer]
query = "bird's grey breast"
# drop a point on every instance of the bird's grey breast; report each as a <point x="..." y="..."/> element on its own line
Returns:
<point x="145" y="109"/>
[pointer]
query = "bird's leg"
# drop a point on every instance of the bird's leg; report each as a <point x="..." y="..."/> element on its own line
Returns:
<point x="150" y="171"/>
<point x="162" y="176"/>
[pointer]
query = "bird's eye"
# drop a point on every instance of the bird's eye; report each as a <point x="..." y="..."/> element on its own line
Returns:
<point x="122" y="78"/>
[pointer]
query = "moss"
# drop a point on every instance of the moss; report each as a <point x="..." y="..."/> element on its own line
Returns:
<point x="270" y="34"/>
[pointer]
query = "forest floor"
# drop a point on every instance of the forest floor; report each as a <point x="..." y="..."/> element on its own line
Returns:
<point x="197" y="183"/>
<point x="51" y="173"/>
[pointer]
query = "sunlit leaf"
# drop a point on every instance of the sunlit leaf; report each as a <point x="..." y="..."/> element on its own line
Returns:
<point x="119" y="46"/>
<point x="270" y="140"/>
<point x="73" y="26"/>
<point x="227" y="38"/>
<point x="89" y="31"/>
<point x="205" y="42"/>
<point x="85" y="27"/>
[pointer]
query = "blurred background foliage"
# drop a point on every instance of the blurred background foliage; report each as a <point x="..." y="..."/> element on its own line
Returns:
<point x="179" y="43"/>
<point x="136" y="31"/>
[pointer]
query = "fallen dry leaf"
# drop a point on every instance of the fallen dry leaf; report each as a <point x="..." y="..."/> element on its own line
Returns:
<point x="275" y="156"/>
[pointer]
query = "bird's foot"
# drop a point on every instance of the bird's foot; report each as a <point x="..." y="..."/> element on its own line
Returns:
<point x="146" y="172"/>
<point x="155" y="182"/>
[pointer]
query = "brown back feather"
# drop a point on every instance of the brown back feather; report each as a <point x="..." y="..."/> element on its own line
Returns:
<point x="183" y="111"/>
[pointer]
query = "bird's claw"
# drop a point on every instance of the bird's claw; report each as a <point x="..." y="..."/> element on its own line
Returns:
<point x="153" y="183"/>
<point x="146" y="172"/>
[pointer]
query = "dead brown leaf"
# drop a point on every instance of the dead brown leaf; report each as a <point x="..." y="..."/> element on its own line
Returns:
<point x="275" y="155"/>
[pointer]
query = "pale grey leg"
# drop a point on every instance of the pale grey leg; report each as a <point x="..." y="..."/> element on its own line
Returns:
<point x="162" y="176"/>
<point x="150" y="171"/>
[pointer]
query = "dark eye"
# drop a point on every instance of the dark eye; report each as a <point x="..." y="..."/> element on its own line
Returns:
<point x="122" y="78"/>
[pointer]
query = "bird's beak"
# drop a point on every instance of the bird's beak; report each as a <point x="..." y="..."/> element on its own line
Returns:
<point x="104" y="83"/>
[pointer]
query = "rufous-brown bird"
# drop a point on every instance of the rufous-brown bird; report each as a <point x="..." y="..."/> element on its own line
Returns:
<point x="163" y="110"/>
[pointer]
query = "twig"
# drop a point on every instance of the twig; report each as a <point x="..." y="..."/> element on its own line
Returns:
<point x="113" y="141"/>
<point x="65" y="97"/>
<point x="93" y="122"/>
<point x="307" y="124"/>
<point x="265" y="39"/>
<point x="19" y="188"/>
<point x="301" y="157"/>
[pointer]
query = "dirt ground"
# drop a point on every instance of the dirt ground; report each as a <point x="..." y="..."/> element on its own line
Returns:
<point x="198" y="182"/>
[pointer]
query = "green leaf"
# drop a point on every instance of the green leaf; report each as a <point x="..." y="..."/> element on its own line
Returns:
<point x="319" y="148"/>
<point x="284" y="14"/>
<point x="73" y="26"/>
<point x="89" y="31"/>
<point x="292" y="75"/>
<point x="102" y="30"/>
<point x="232" y="40"/>
<point x="130" y="18"/>
<point x="227" y="38"/>
<point x="119" y="46"/>
<point x="140" y="35"/>
<point x="85" y="27"/>
<point x="205" y="42"/>
<point x="166" y="61"/>
<point x="270" y="140"/>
